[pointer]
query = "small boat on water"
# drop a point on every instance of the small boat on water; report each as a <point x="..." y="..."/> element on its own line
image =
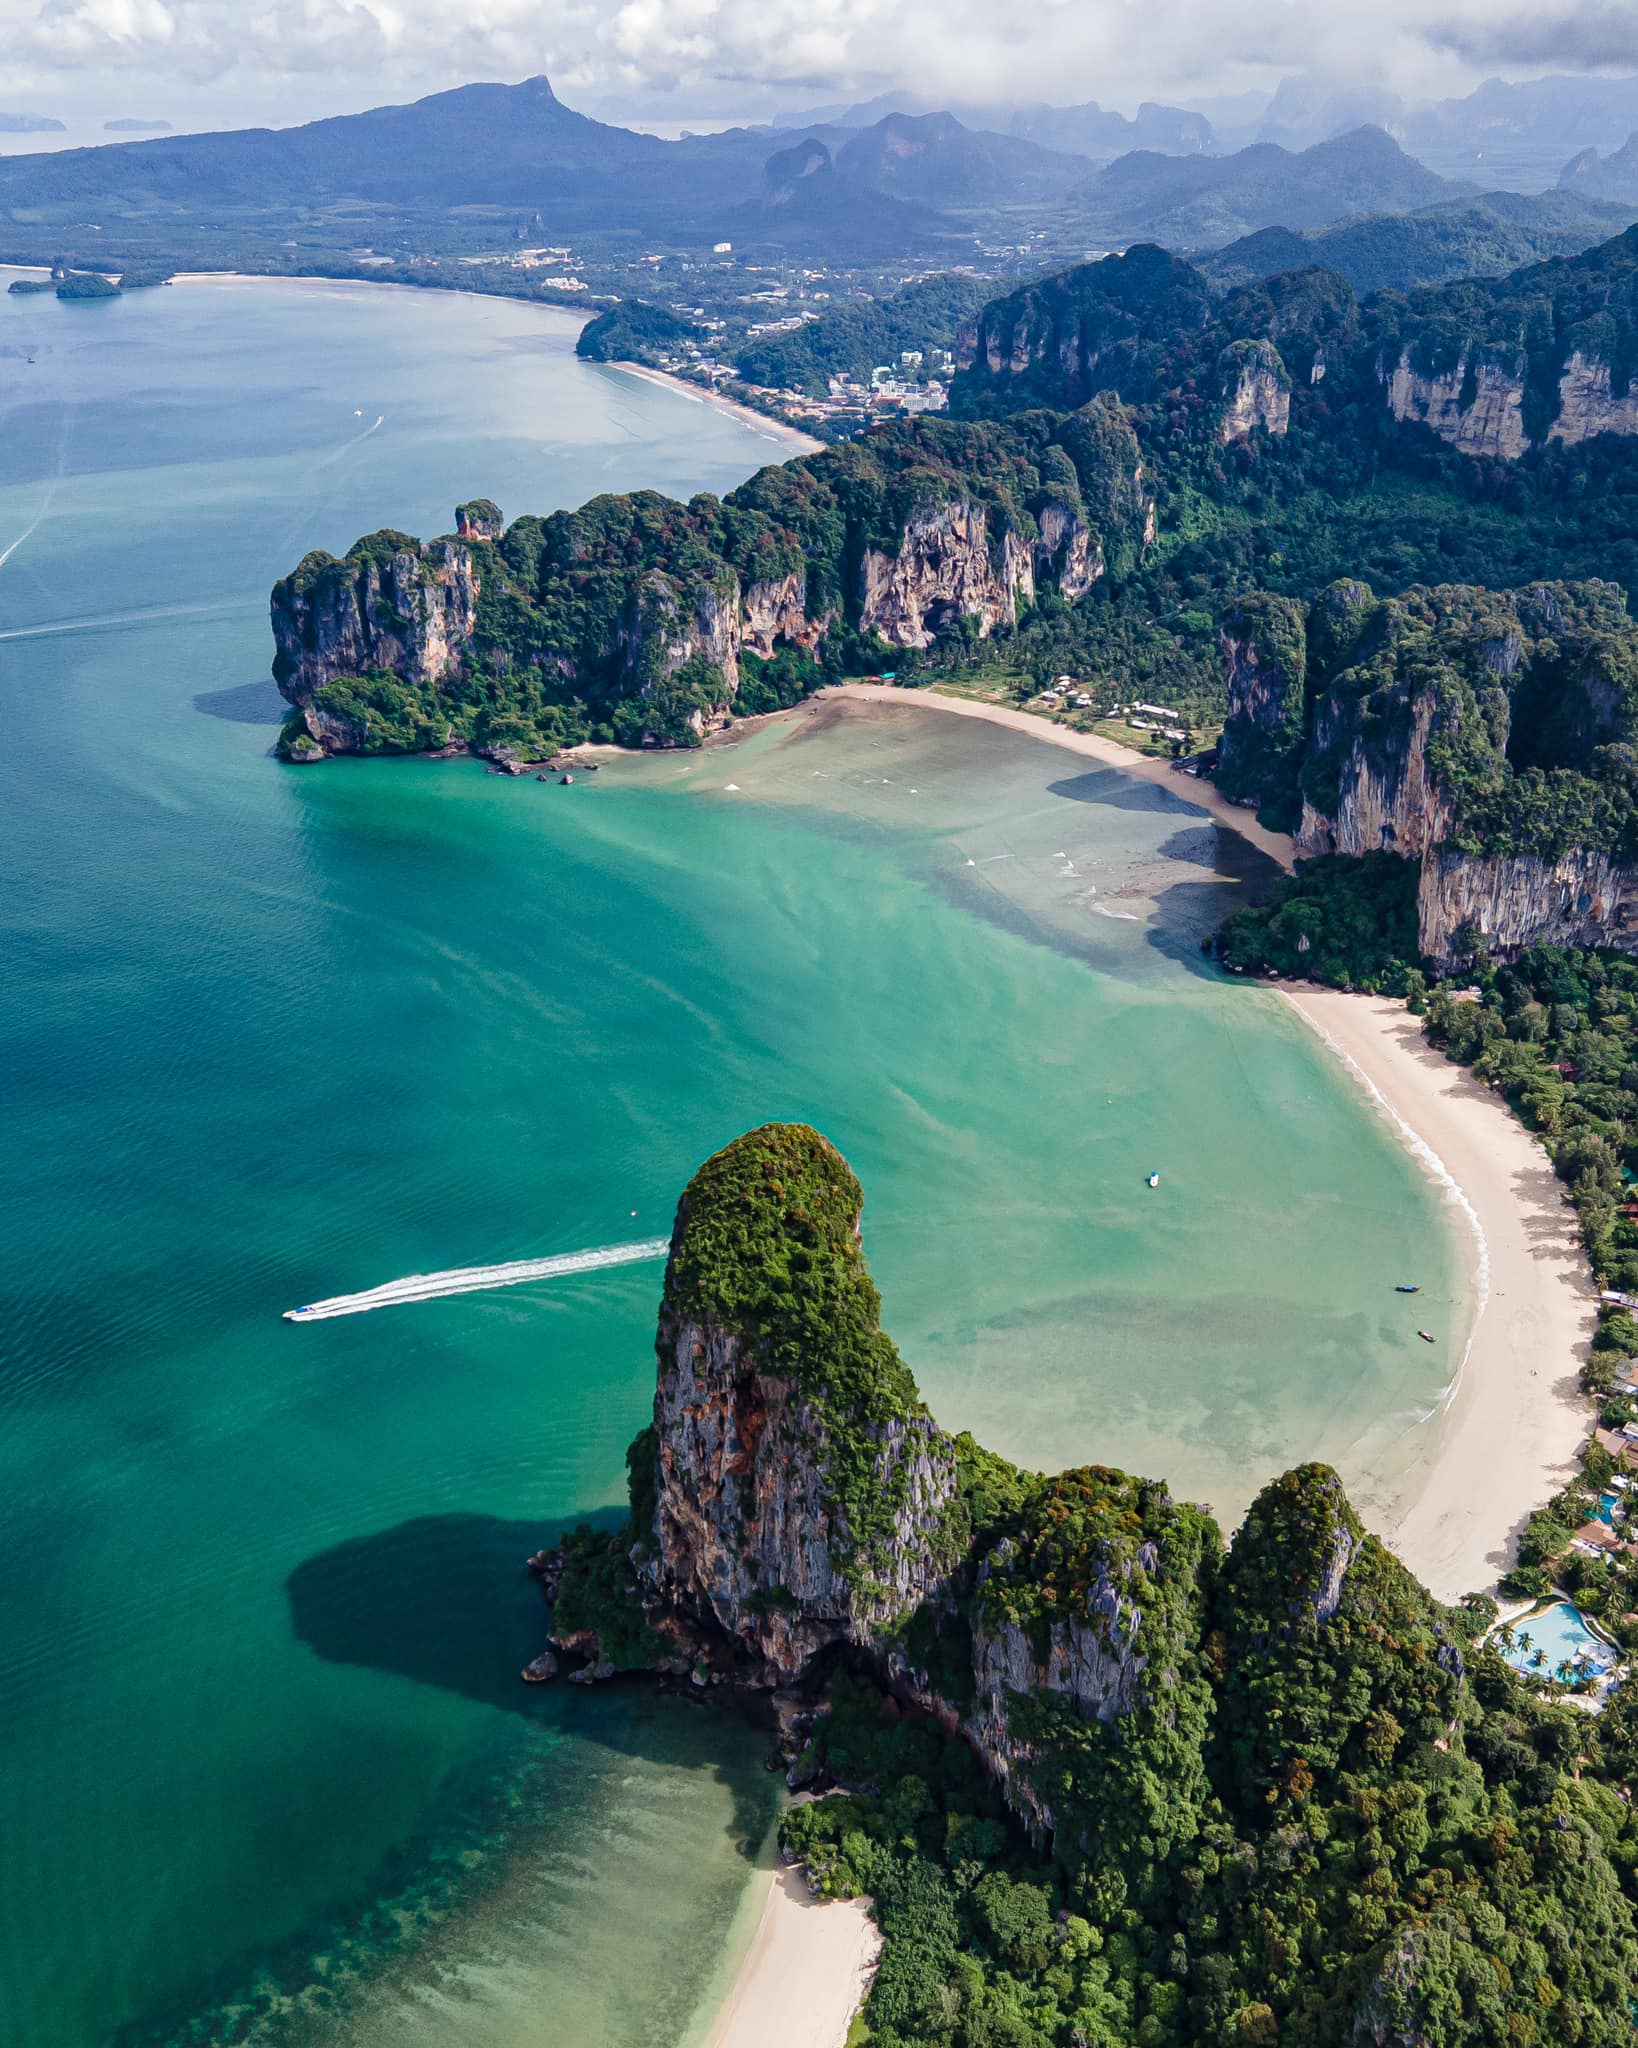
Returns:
<point x="1154" y="1180"/>
<point x="1405" y="1287"/>
<point x="1426" y="1338"/>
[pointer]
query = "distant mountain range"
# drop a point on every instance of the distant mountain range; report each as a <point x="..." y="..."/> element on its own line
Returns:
<point x="1483" y="237"/>
<point x="468" y="168"/>
<point x="1592" y="175"/>
<point x="484" y="165"/>
<point x="1512" y="135"/>
<point x="1087" y="130"/>
<point x="1196" y="202"/>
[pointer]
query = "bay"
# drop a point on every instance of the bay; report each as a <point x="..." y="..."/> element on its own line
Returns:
<point x="268" y="1035"/>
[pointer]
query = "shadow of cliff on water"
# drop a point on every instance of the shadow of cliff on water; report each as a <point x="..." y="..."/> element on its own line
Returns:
<point x="1188" y="913"/>
<point x="257" y="703"/>
<point x="445" y="1599"/>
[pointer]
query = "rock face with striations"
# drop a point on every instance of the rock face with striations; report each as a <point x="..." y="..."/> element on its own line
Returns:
<point x="1264" y="641"/>
<point x="943" y="571"/>
<point x="1090" y="1609"/>
<point x="1588" y="404"/>
<point x="1485" y="735"/>
<point x="803" y="1499"/>
<point x="1257" y="390"/>
<point x="390" y="605"/>
<point x="796" y="1511"/>
<point x="1481" y="414"/>
<point x="636" y="616"/>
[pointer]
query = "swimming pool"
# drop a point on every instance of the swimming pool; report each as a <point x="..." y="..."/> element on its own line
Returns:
<point x="1562" y="1640"/>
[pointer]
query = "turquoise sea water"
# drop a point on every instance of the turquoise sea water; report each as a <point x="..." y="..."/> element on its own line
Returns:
<point x="268" y="1035"/>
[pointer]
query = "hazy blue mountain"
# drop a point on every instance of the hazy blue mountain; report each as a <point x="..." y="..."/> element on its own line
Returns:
<point x="1592" y="175"/>
<point x="935" y="159"/>
<point x="1484" y="237"/>
<point x="1198" y="201"/>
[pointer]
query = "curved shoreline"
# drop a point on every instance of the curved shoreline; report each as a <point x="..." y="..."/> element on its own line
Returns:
<point x="786" y="437"/>
<point x="1511" y="1421"/>
<point x="1513" y="1418"/>
<point x="776" y="430"/>
<point x="1188" y="789"/>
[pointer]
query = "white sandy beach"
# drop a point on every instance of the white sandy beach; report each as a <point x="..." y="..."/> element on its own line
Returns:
<point x="807" y="1972"/>
<point x="1516" y="1418"/>
<point x="788" y="437"/>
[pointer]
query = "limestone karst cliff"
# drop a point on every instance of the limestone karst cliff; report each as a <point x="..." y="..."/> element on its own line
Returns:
<point x="1089" y="1763"/>
<point x="802" y="1498"/>
<point x="795" y="1508"/>
<point x="648" y="620"/>
<point x="1477" y="406"/>
<point x="1484" y="735"/>
<point x="1257" y="391"/>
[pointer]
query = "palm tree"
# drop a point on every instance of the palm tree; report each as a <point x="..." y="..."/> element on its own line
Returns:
<point x="1539" y="1659"/>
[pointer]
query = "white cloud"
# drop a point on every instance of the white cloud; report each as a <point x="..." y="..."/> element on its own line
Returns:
<point x="717" y="55"/>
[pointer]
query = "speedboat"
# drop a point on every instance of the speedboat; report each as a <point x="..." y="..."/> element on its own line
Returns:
<point x="1426" y="1337"/>
<point x="1154" y="1180"/>
<point x="1405" y="1287"/>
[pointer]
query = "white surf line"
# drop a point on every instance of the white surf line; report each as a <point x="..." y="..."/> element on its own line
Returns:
<point x="473" y="1279"/>
<point x="1439" y="1171"/>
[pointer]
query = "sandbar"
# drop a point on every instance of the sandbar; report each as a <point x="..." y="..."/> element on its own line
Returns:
<point x="1188" y="789"/>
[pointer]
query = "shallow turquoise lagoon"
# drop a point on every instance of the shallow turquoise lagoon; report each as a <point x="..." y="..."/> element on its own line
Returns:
<point x="267" y="1036"/>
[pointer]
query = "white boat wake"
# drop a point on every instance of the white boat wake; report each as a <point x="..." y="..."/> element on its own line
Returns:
<point x="64" y="433"/>
<point x="474" y="1279"/>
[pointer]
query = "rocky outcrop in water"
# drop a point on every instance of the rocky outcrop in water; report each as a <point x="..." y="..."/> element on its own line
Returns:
<point x="802" y="1498"/>
<point x="795" y="1512"/>
<point x="635" y="616"/>
<point x="390" y="606"/>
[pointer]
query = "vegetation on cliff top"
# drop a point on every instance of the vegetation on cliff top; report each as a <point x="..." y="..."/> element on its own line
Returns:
<point x="767" y="1248"/>
<point x="1321" y="1821"/>
<point x="1283" y="1797"/>
<point x="1347" y="923"/>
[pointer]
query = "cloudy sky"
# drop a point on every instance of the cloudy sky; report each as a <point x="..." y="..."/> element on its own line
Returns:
<point x="665" y="62"/>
